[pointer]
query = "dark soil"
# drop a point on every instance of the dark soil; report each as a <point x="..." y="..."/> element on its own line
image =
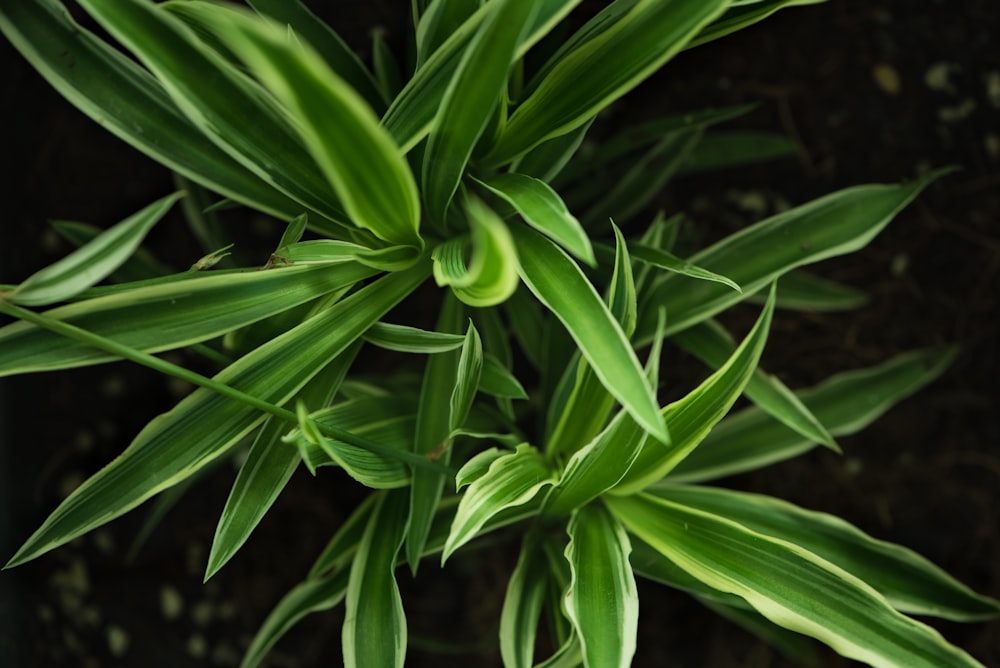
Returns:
<point x="872" y="91"/>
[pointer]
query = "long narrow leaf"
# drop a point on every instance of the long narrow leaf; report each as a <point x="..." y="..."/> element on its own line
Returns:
<point x="342" y="133"/>
<point x="833" y="225"/>
<point x="511" y="480"/>
<point x="268" y="467"/>
<point x="910" y="582"/>
<point x="522" y="604"/>
<point x="602" y="600"/>
<point x="124" y="98"/>
<point x="310" y="596"/>
<point x="712" y="344"/>
<point x="432" y="433"/>
<point x="196" y="307"/>
<point x="227" y="107"/>
<point x="328" y="44"/>
<point x="92" y="262"/>
<point x="473" y="93"/>
<point x="411" y="114"/>
<point x="560" y="285"/>
<point x="603" y="69"/>
<point x="787" y="584"/>
<point x="541" y="207"/>
<point x="205" y="424"/>
<point x="693" y="417"/>
<point x="845" y="404"/>
<point x="374" y="632"/>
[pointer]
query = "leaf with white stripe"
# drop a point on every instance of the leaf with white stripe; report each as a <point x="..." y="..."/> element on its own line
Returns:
<point x="602" y="600"/>
<point x="512" y="480"/>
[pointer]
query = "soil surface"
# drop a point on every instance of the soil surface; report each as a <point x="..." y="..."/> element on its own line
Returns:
<point x="873" y="91"/>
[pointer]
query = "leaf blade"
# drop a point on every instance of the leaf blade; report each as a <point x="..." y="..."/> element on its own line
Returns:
<point x="560" y="285"/>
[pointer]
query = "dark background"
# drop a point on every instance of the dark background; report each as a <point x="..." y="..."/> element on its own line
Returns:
<point x="872" y="91"/>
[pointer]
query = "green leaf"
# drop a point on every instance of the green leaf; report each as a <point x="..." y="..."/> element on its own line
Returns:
<point x="469" y="102"/>
<point x="709" y="342"/>
<point x="601" y="464"/>
<point x="432" y="433"/>
<point x="560" y="285"/>
<point x="621" y="148"/>
<point x="670" y="262"/>
<point x="644" y="178"/>
<point x="387" y="421"/>
<point x="522" y="604"/>
<point x="845" y="404"/>
<point x="650" y="564"/>
<point x="374" y="632"/>
<point x="498" y="381"/>
<point x="800" y="291"/>
<point x="227" y="107"/>
<point x="341" y="547"/>
<point x="733" y="148"/>
<point x="546" y="161"/>
<point x="307" y="597"/>
<point x="541" y="207"/>
<point x="140" y="266"/>
<point x="741" y="15"/>
<point x="412" y="113"/>
<point x="439" y="21"/>
<point x="468" y="372"/>
<point x="191" y="307"/>
<point x="357" y="156"/>
<point x="511" y="480"/>
<point x="268" y="467"/>
<point x="388" y="73"/>
<point x="787" y="584"/>
<point x="491" y="275"/>
<point x="126" y="100"/>
<point x="603" y="69"/>
<point x="204" y="425"/>
<point x="91" y="263"/>
<point x="327" y="43"/>
<point x="602" y="600"/>
<point x="691" y="418"/>
<point x="911" y="583"/>
<point x="404" y="339"/>
<point x="836" y="224"/>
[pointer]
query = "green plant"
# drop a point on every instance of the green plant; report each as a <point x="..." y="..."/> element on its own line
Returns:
<point x="454" y="177"/>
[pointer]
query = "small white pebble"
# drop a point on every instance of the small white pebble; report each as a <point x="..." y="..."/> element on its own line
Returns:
<point x="179" y="388"/>
<point x="69" y="482"/>
<point x="202" y="613"/>
<point x="104" y="541"/>
<point x="117" y="641"/>
<point x="46" y="614"/>
<point x="73" y="578"/>
<point x="113" y="386"/>
<point x="89" y="615"/>
<point x="226" y="610"/>
<point x="197" y="646"/>
<point x="84" y="440"/>
<point x="853" y="466"/>
<point x="194" y="558"/>
<point x="225" y="655"/>
<point x="937" y="77"/>
<point x="993" y="88"/>
<point x="171" y="602"/>
<point x="887" y="78"/>
<point x="991" y="143"/>
<point x="899" y="265"/>
<point x="957" y="112"/>
<point x="749" y="200"/>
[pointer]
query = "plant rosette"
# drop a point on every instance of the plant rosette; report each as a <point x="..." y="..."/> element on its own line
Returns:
<point x="532" y="404"/>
